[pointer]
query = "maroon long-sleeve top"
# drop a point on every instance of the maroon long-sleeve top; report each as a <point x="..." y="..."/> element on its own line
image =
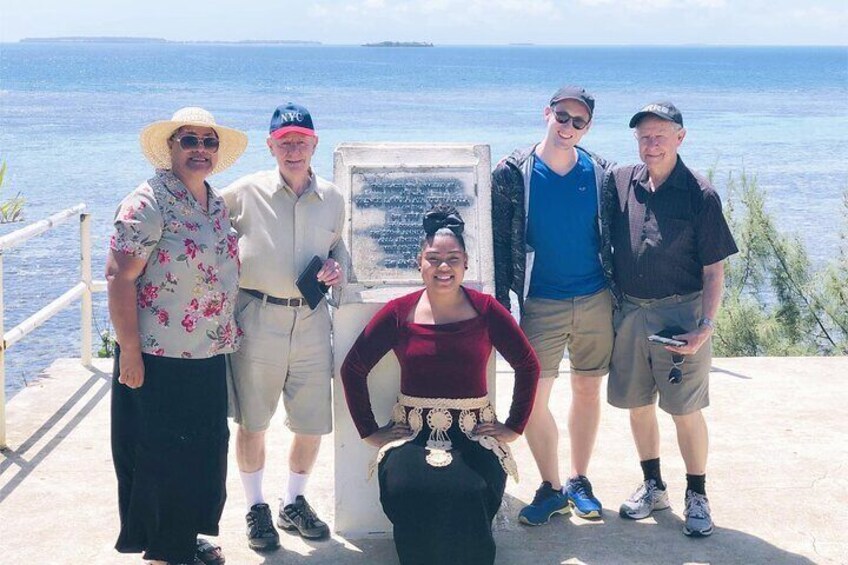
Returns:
<point x="441" y="360"/>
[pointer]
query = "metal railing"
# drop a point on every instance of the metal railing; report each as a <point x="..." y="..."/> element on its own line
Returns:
<point x="82" y="289"/>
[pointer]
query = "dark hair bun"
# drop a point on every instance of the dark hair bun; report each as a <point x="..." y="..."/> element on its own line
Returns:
<point x="443" y="216"/>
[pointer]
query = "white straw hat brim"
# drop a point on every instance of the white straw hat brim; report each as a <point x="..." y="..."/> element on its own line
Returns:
<point x="154" y="138"/>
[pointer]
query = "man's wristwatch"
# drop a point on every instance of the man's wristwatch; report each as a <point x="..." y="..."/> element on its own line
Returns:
<point x="706" y="322"/>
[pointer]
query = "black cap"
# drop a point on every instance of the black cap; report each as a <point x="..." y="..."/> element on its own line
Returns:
<point x="291" y="118"/>
<point x="575" y="93"/>
<point x="662" y="110"/>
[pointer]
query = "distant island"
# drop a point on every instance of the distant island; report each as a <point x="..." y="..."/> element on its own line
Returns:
<point x="522" y="44"/>
<point x="257" y="42"/>
<point x="399" y="44"/>
<point x="160" y="40"/>
<point x="93" y="40"/>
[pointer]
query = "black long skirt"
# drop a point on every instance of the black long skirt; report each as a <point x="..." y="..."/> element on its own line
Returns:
<point x="169" y="448"/>
<point x="442" y="515"/>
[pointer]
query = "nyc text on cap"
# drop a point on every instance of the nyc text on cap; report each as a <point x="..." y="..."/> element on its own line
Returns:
<point x="291" y="118"/>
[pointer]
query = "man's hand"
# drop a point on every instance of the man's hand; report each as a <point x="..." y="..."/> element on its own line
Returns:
<point x="496" y="430"/>
<point x="331" y="273"/>
<point x="387" y="433"/>
<point x="694" y="340"/>
<point x="132" y="369"/>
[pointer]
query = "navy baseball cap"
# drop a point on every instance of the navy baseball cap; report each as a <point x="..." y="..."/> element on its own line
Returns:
<point x="575" y="93"/>
<point x="662" y="110"/>
<point x="291" y="118"/>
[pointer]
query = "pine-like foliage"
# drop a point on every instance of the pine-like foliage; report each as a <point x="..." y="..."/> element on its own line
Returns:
<point x="774" y="303"/>
<point x="10" y="210"/>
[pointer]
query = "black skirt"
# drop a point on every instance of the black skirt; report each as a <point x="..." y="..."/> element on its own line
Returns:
<point x="442" y="514"/>
<point x="169" y="448"/>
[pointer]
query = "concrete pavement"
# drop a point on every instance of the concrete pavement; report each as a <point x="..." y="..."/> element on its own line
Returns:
<point x="777" y="478"/>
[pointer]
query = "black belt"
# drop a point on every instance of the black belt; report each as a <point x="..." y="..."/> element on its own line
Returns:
<point x="295" y="302"/>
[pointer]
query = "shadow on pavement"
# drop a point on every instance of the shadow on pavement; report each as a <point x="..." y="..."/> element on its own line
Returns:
<point x="19" y="457"/>
<point x="614" y="540"/>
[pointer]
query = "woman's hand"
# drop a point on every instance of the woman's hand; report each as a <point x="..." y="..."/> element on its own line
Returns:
<point x="496" y="430"/>
<point x="387" y="433"/>
<point x="132" y="369"/>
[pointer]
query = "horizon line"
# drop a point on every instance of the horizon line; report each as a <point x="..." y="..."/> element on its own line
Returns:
<point x="319" y="43"/>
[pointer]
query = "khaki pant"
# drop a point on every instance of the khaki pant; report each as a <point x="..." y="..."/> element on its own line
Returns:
<point x="285" y="350"/>
<point x="639" y="368"/>
<point x="582" y="323"/>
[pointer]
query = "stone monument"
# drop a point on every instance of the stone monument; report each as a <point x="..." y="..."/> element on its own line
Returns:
<point x="388" y="187"/>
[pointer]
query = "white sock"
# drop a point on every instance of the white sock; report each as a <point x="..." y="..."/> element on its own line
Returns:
<point x="252" y="483"/>
<point x="295" y="488"/>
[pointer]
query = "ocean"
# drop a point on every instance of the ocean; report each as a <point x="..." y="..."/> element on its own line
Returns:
<point x="70" y="115"/>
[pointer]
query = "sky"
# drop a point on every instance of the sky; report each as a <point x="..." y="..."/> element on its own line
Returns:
<point x="475" y="22"/>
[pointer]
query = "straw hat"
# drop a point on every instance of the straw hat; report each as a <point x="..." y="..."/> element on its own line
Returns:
<point x="154" y="138"/>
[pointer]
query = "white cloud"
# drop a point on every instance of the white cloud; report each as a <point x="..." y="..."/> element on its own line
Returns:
<point x="649" y="5"/>
<point x="708" y="3"/>
<point x="820" y="14"/>
<point x="447" y="21"/>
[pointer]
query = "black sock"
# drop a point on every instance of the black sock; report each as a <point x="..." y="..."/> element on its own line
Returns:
<point x="651" y="470"/>
<point x="696" y="483"/>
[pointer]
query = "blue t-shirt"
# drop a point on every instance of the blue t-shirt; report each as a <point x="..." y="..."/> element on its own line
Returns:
<point x="562" y="228"/>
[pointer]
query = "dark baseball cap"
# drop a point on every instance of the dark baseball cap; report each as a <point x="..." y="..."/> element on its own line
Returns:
<point x="291" y="118"/>
<point x="574" y="93"/>
<point x="662" y="110"/>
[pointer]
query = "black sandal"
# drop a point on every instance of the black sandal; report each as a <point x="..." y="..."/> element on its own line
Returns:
<point x="208" y="553"/>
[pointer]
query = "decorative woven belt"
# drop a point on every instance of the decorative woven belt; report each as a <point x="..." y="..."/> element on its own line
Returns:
<point x="294" y="302"/>
<point x="410" y="410"/>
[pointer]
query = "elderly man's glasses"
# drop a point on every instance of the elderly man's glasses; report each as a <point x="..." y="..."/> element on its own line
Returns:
<point x="191" y="142"/>
<point x="576" y="121"/>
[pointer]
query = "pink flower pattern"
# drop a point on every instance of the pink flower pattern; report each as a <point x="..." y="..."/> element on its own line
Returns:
<point x="162" y="316"/>
<point x="191" y="272"/>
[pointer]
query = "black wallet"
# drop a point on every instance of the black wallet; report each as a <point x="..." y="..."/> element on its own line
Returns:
<point x="310" y="287"/>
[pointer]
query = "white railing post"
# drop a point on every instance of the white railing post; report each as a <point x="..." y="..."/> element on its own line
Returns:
<point x="81" y="290"/>
<point x="85" y="275"/>
<point x="2" y="363"/>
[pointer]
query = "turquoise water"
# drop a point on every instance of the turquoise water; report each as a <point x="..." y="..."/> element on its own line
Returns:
<point x="70" y="117"/>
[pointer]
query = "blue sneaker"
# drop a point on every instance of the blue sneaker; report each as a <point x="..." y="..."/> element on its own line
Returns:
<point x="546" y="503"/>
<point x="579" y="492"/>
<point x="699" y="522"/>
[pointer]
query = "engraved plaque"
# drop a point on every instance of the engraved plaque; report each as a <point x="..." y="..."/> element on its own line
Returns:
<point x="389" y="186"/>
<point x="386" y="212"/>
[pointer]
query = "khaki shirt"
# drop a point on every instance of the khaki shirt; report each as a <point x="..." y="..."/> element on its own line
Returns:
<point x="279" y="232"/>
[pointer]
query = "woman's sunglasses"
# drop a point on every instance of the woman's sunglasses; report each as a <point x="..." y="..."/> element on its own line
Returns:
<point x="190" y="142"/>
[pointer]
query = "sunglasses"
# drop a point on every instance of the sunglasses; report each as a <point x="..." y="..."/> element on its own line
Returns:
<point x="564" y="117"/>
<point x="189" y="142"/>
<point x="675" y="375"/>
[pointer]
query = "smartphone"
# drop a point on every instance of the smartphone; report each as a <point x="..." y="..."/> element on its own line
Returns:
<point x="666" y="340"/>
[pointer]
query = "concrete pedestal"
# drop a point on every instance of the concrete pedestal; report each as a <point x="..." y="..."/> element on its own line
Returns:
<point x="388" y="187"/>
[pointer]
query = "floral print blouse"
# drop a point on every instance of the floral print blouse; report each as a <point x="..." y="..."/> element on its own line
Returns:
<point x="187" y="292"/>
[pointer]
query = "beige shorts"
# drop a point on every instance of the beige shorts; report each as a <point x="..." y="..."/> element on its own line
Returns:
<point x="639" y="368"/>
<point x="285" y="351"/>
<point x="583" y="324"/>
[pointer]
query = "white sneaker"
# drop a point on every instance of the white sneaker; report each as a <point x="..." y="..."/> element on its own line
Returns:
<point x="647" y="498"/>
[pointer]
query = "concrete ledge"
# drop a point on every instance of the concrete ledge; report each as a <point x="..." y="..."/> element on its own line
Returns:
<point x="777" y="478"/>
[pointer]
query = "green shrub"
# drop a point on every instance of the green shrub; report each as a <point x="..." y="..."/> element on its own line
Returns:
<point x="774" y="302"/>
<point x="11" y="210"/>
